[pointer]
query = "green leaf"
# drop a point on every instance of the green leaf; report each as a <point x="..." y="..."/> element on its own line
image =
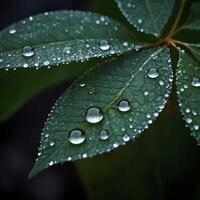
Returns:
<point x="149" y="16"/>
<point x="61" y="37"/>
<point x="188" y="90"/>
<point x="129" y="91"/>
<point x="193" y="23"/>
<point x="17" y="87"/>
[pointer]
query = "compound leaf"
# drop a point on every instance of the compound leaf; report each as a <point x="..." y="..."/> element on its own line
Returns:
<point x="149" y="16"/>
<point x="188" y="90"/>
<point x="106" y="107"/>
<point x="61" y="37"/>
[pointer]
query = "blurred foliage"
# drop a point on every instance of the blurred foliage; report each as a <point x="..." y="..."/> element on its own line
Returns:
<point x="17" y="87"/>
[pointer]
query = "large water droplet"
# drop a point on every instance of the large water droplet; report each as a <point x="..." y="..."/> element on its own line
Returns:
<point x="103" y="134"/>
<point x="195" y="82"/>
<point x="124" y="106"/>
<point x="153" y="73"/>
<point x="76" y="136"/>
<point x="28" y="51"/>
<point x="104" y="45"/>
<point x="93" y="115"/>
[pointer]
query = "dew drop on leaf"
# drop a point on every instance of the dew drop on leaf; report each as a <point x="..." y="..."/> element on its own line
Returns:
<point x="126" y="138"/>
<point x="50" y="163"/>
<point x="103" y="135"/>
<point x="93" y="115"/>
<point x="196" y="82"/>
<point x="124" y="106"/>
<point x="28" y="51"/>
<point x="104" y="45"/>
<point x="76" y="136"/>
<point x="153" y="73"/>
<point x="12" y="31"/>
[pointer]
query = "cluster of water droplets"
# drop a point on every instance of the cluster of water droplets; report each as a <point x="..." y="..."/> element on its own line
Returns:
<point x="188" y="88"/>
<point x="39" y="55"/>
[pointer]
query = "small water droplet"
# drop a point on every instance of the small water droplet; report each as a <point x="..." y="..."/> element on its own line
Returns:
<point x="103" y="134"/>
<point x="82" y="84"/>
<point x="195" y="82"/>
<point x="51" y="144"/>
<point x="93" y="115"/>
<point x="126" y="138"/>
<point x="104" y="45"/>
<point x="153" y="73"/>
<point x="50" y="163"/>
<point x="124" y="106"/>
<point x="189" y="120"/>
<point x="46" y="63"/>
<point x="67" y="50"/>
<point x="84" y="155"/>
<point x="12" y="31"/>
<point x="196" y="127"/>
<point x="139" y="21"/>
<point x="28" y="51"/>
<point x="76" y="136"/>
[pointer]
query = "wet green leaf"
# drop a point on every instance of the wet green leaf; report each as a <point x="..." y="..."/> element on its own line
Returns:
<point x="106" y="107"/>
<point x="193" y="23"/>
<point x="149" y="16"/>
<point x="61" y="37"/>
<point x="188" y="90"/>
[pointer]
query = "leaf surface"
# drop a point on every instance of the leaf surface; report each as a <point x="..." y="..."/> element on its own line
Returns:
<point x="61" y="37"/>
<point x="149" y="16"/>
<point x="129" y="92"/>
<point x="188" y="90"/>
<point x="193" y="23"/>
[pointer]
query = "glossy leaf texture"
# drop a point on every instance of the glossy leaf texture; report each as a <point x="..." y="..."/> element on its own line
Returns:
<point x="61" y="37"/>
<point x="193" y="22"/>
<point x="149" y="16"/>
<point x="109" y="105"/>
<point x="188" y="89"/>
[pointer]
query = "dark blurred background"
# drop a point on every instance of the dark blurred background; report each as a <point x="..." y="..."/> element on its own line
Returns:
<point x="163" y="164"/>
<point x="19" y="136"/>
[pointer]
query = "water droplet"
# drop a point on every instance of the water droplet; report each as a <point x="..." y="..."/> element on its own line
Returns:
<point x="28" y="51"/>
<point x="46" y="63"/>
<point x="153" y="73"/>
<point x="50" y="163"/>
<point x="196" y="127"/>
<point x="94" y="115"/>
<point x="104" y="45"/>
<point x="76" y="136"/>
<point x="139" y="21"/>
<point x="82" y="84"/>
<point x="124" y="106"/>
<point x="103" y="135"/>
<point x="67" y="50"/>
<point x="51" y="144"/>
<point x="25" y="65"/>
<point x="126" y="138"/>
<point x="195" y="82"/>
<point x="115" y="145"/>
<point x="12" y="31"/>
<point x="189" y="121"/>
<point x="84" y="155"/>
